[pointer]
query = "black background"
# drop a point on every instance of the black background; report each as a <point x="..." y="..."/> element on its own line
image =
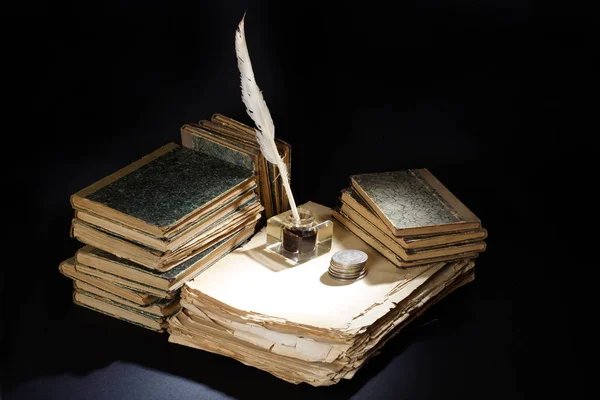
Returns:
<point x="490" y="96"/>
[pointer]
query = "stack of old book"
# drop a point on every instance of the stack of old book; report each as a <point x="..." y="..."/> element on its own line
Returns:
<point x="228" y="139"/>
<point x="411" y="218"/>
<point x="300" y="324"/>
<point x="155" y="224"/>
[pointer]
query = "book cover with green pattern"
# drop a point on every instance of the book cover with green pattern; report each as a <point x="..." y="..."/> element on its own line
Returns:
<point x="164" y="189"/>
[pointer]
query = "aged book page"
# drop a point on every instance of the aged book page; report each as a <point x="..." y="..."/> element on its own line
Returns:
<point x="253" y="281"/>
<point x="297" y="357"/>
<point x="294" y="321"/>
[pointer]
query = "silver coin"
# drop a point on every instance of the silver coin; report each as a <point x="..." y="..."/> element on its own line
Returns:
<point x="349" y="257"/>
<point x="346" y="265"/>
<point x="345" y="279"/>
<point x="346" y="273"/>
<point x="346" y="270"/>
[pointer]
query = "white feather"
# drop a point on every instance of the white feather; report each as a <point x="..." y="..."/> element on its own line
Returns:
<point x="259" y="112"/>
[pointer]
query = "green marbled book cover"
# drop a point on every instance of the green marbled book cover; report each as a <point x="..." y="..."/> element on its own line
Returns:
<point x="211" y="148"/>
<point x="411" y="199"/>
<point x="171" y="186"/>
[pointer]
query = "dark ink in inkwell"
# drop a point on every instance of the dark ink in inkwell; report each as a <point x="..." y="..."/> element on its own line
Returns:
<point x="298" y="240"/>
<point x="300" y="236"/>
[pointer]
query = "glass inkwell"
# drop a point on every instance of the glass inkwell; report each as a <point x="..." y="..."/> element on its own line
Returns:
<point x="299" y="239"/>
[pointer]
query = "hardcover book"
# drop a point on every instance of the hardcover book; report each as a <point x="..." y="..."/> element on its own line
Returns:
<point x="134" y="295"/>
<point x="389" y="254"/>
<point x="119" y="311"/>
<point x="161" y="308"/>
<point x="413" y="202"/>
<point x="150" y="258"/>
<point x="280" y="200"/>
<point x="411" y="254"/>
<point x="354" y="207"/>
<point x="222" y="146"/>
<point x="165" y="191"/>
<point x="247" y="136"/>
<point x="109" y="266"/>
<point x="116" y="280"/>
<point x="244" y="205"/>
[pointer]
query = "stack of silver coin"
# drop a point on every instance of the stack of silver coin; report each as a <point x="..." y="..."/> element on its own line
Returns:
<point x="348" y="265"/>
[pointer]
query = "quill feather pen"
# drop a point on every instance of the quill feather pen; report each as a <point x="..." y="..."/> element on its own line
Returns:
<point x="258" y="111"/>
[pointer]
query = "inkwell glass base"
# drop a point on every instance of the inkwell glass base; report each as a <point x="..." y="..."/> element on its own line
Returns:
<point x="299" y="240"/>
